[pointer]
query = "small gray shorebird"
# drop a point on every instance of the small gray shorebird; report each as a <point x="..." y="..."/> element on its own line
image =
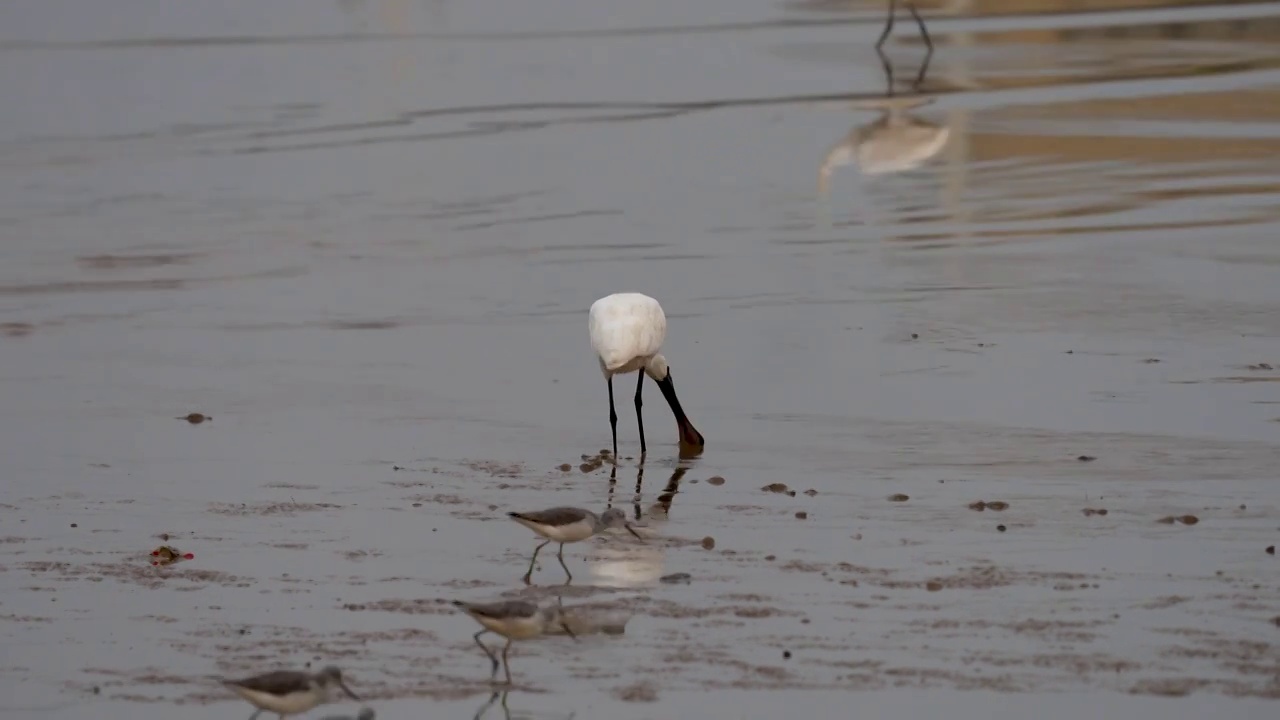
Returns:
<point x="567" y="525"/>
<point x="289" y="692"/>
<point x="513" y="620"/>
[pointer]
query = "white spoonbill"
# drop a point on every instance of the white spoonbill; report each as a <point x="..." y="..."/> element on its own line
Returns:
<point x="627" y="330"/>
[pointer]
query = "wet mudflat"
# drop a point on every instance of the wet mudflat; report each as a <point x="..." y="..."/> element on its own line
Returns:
<point x="990" y="395"/>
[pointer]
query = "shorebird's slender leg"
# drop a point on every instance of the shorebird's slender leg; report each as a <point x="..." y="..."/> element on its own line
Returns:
<point x="924" y="68"/>
<point x="255" y="715"/>
<point x="505" y="663"/>
<point x="928" y="42"/>
<point x="534" y="559"/>
<point x="566" y="567"/>
<point x="888" y="26"/>
<point x="492" y="659"/>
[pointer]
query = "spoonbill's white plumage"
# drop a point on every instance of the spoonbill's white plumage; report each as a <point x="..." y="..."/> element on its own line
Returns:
<point x="627" y="330"/>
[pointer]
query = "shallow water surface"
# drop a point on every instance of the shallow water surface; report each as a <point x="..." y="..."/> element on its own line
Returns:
<point x="362" y="236"/>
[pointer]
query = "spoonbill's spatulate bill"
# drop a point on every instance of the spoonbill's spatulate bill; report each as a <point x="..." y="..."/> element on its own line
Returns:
<point x="627" y="330"/>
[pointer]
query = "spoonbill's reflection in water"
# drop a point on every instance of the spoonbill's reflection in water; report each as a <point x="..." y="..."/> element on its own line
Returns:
<point x="631" y="565"/>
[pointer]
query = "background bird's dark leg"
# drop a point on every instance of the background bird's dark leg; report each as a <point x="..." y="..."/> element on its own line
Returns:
<point x="639" y="420"/>
<point x="928" y="42"/>
<point x="888" y="26"/>
<point x="255" y="715"/>
<point x="492" y="659"/>
<point x="888" y="72"/>
<point x="566" y="567"/>
<point x="613" y="420"/>
<point x="505" y="663"/>
<point x="532" y="560"/>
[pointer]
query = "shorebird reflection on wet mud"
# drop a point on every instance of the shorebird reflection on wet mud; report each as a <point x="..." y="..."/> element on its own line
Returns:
<point x="894" y="142"/>
<point x="289" y="692"/>
<point x="506" y="711"/>
<point x="513" y="620"/>
<point x="568" y="525"/>
<point x="627" y="330"/>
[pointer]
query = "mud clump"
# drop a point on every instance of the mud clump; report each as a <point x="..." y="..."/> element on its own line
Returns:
<point x="642" y="691"/>
<point x="282" y="508"/>
<point x="1086" y="458"/>
<point x="1088" y="512"/>
<point x="810" y="492"/>
<point x="715" y="480"/>
<point x="933" y="586"/>
<point x="591" y="463"/>
<point x="1184" y="519"/>
<point x="680" y="578"/>
<point x="565" y="467"/>
<point x="996" y="505"/>
<point x="802" y="515"/>
<point x="16" y="329"/>
<point x="196" y="418"/>
<point x="898" y="497"/>
<point x="778" y="488"/>
<point x="495" y="469"/>
<point x="1271" y="549"/>
<point x="708" y="543"/>
<point x="1001" y="528"/>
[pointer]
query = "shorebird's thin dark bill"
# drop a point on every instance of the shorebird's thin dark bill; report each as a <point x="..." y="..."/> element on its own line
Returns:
<point x="632" y="530"/>
<point x="347" y="690"/>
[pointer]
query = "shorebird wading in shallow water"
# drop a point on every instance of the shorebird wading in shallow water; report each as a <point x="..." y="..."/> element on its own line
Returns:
<point x="627" y="330"/>
<point x="513" y="620"/>
<point x="567" y="525"/>
<point x="289" y="692"/>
